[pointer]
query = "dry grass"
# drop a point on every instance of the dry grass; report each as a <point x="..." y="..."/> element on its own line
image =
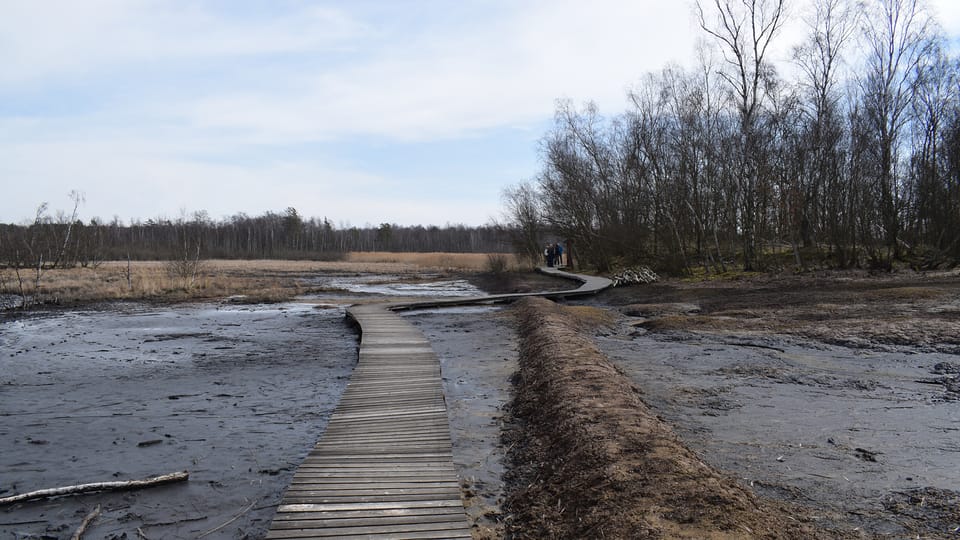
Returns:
<point x="257" y="280"/>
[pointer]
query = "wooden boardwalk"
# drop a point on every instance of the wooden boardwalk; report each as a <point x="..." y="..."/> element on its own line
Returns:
<point x="384" y="467"/>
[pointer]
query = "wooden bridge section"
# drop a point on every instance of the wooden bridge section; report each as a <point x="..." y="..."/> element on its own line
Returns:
<point x="384" y="466"/>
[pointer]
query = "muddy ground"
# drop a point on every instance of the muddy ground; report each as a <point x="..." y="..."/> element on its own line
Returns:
<point x="839" y="394"/>
<point x="478" y="350"/>
<point x="235" y="395"/>
<point x="835" y="396"/>
<point x="592" y="460"/>
<point x="836" y="393"/>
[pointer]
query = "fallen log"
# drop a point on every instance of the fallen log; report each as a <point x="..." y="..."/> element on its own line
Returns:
<point x="98" y="486"/>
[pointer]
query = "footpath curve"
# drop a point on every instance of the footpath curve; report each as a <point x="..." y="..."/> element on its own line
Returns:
<point x="384" y="466"/>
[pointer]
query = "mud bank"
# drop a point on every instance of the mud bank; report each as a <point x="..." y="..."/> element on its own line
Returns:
<point x="235" y="395"/>
<point x="596" y="462"/>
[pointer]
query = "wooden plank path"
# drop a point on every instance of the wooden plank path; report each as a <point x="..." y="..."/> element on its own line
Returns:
<point x="384" y="467"/>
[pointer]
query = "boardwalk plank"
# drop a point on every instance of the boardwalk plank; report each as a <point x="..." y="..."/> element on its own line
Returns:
<point x="312" y="520"/>
<point x="384" y="467"/>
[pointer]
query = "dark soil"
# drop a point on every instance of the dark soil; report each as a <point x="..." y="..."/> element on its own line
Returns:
<point x="477" y="348"/>
<point x="851" y="441"/>
<point x="851" y="309"/>
<point x="779" y="407"/>
<point x="235" y="395"/>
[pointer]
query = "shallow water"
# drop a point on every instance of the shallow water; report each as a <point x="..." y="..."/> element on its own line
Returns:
<point x="236" y="394"/>
<point x="397" y="286"/>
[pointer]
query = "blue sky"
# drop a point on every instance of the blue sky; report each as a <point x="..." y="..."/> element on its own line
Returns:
<point x="409" y="112"/>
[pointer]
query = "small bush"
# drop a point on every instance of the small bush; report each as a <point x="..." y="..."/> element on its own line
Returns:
<point x="496" y="263"/>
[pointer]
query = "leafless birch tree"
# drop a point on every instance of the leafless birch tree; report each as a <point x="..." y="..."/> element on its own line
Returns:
<point x="744" y="30"/>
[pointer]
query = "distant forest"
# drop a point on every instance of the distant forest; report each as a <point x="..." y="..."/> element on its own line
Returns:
<point x="64" y="241"/>
<point x="852" y="162"/>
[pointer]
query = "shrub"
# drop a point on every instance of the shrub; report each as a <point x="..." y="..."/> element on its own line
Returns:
<point x="496" y="263"/>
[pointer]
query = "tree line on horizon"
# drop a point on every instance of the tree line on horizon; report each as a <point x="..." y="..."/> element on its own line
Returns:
<point x="853" y="163"/>
<point x="62" y="240"/>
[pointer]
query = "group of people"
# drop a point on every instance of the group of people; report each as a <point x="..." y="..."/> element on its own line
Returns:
<point x="554" y="254"/>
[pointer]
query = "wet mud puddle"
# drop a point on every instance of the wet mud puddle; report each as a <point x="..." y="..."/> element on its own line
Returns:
<point x="425" y="286"/>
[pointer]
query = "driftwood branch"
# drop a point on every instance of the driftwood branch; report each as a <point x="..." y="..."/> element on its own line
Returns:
<point x="99" y="486"/>
<point x="86" y="523"/>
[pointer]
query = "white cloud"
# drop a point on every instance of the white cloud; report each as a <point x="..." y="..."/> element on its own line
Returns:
<point x="150" y="106"/>
<point x="947" y="13"/>
<point x="503" y="71"/>
<point x="49" y="39"/>
<point x="503" y="65"/>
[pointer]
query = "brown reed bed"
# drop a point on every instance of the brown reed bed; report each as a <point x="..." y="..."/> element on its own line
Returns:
<point x="253" y="280"/>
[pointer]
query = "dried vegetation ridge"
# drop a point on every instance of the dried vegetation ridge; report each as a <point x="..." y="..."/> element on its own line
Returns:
<point x="595" y="462"/>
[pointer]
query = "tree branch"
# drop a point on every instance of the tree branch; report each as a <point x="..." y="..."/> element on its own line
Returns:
<point x="99" y="486"/>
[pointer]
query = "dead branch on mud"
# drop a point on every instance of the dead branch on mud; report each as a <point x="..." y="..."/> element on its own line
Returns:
<point x="86" y="523"/>
<point x="98" y="486"/>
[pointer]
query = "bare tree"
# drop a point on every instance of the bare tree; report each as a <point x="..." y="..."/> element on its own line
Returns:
<point x="832" y="26"/>
<point x="67" y="224"/>
<point x="186" y="261"/>
<point x="897" y="35"/>
<point x="29" y="255"/>
<point x="933" y="210"/>
<point x="523" y="211"/>
<point x="745" y="29"/>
